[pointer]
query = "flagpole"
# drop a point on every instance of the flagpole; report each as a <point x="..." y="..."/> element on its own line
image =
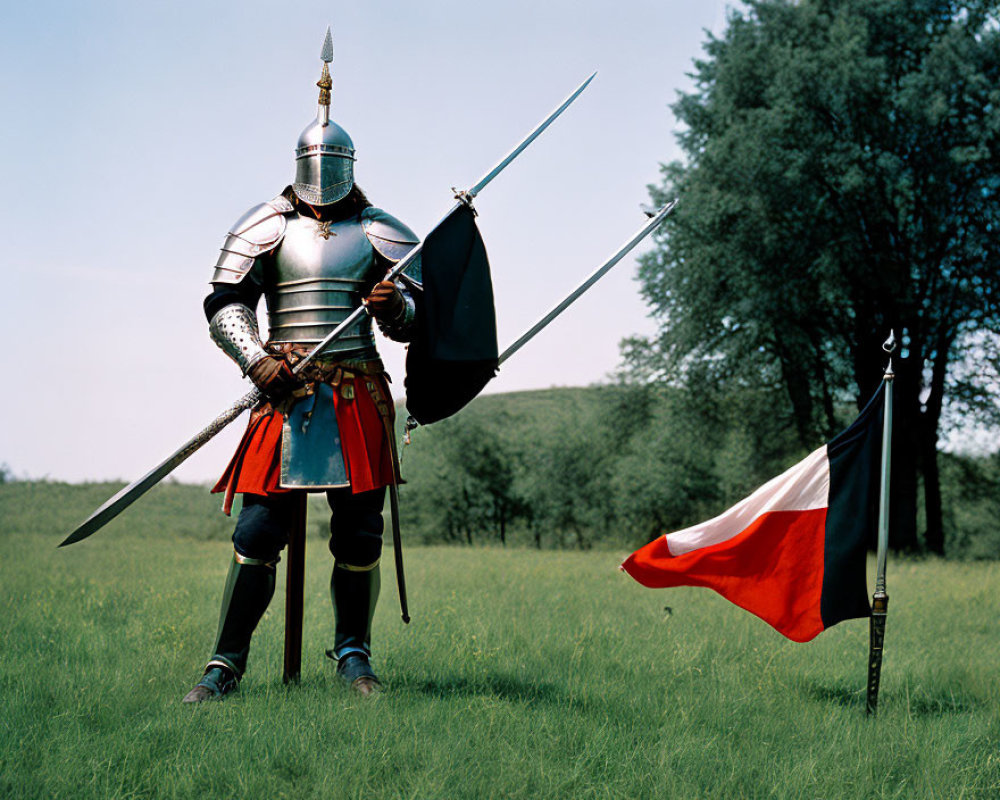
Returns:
<point x="880" y="600"/>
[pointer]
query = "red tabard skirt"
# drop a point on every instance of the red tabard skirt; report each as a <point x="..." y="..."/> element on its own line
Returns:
<point x="256" y="466"/>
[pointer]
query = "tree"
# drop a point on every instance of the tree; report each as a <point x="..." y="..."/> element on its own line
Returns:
<point x="566" y="477"/>
<point x="466" y="486"/>
<point x="841" y="179"/>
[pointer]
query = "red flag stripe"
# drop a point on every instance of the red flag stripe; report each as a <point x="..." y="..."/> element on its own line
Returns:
<point x="793" y="552"/>
<point x="772" y="568"/>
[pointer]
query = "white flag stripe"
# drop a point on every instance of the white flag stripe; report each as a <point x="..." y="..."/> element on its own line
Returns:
<point x="804" y="487"/>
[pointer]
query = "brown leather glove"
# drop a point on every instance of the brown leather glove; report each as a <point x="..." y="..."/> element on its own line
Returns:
<point x="273" y="377"/>
<point x="385" y="302"/>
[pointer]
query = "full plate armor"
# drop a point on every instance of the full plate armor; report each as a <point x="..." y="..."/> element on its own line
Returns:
<point x="313" y="274"/>
<point x="314" y="253"/>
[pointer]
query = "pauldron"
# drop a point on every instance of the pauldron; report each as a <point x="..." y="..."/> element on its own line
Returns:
<point x="257" y="232"/>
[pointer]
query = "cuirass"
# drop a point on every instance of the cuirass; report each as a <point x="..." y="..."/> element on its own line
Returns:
<point x="313" y="281"/>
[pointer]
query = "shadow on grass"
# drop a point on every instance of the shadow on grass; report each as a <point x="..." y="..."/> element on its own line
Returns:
<point x="922" y="704"/>
<point x="438" y="687"/>
<point x="849" y="697"/>
<point x="502" y="686"/>
<point x="935" y="705"/>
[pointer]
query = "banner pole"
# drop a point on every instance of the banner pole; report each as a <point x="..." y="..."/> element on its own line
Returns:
<point x="880" y="599"/>
<point x="295" y="591"/>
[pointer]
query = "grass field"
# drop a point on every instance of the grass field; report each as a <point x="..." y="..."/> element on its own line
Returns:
<point x="523" y="675"/>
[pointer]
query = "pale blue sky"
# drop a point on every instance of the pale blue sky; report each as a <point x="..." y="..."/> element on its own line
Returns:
<point x="134" y="134"/>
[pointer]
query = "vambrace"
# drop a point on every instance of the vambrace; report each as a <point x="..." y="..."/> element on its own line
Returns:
<point x="401" y="329"/>
<point x="234" y="329"/>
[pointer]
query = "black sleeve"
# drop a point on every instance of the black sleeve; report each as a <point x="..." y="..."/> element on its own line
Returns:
<point x="225" y="294"/>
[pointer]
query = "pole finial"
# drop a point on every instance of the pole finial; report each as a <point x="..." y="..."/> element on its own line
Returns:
<point x="325" y="82"/>
<point x="326" y="54"/>
<point x="889" y="345"/>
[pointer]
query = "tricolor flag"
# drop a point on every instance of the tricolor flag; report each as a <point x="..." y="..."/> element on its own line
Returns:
<point x="793" y="552"/>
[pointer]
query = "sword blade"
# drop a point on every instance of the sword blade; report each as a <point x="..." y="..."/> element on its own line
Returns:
<point x="117" y="504"/>
<point x="478" y="187"/>
<point x="595" y="276"/>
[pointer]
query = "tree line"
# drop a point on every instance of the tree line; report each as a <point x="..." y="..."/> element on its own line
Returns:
<point x="619" y="465"/>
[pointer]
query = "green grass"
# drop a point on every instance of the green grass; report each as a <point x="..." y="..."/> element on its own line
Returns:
<point x="523" y="675"/>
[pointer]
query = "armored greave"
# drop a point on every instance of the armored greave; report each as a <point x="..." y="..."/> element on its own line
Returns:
<point x="249" y="589"/>
<point x="356" y="544"/>
<point x="354" y="592"/>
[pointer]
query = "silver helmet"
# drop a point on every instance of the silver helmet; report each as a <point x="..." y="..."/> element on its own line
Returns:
<point x="324" y="157"/>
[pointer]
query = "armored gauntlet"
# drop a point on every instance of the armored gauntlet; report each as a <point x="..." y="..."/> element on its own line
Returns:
<point x="392" y="308"/>
<point x="385" y="302"/>
<point x="273" y="376"/>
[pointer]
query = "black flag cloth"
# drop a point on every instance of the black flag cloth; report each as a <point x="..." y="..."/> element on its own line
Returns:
<point x="454" y="354"/>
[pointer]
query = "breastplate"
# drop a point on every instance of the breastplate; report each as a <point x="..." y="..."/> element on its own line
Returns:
<point x="316" y="278"/>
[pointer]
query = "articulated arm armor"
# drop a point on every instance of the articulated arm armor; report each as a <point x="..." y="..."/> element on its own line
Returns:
<point x="256" y="233"/>
<point x="234" y="329"/>
<point x="313" y="274"/>
<point x="392" y="240"/>
<point x="234" y="326"/>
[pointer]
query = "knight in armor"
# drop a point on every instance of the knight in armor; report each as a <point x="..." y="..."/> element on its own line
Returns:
<point x="315" y="253"/>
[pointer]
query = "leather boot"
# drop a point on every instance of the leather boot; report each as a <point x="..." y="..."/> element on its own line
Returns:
<point x="355" y="670"/>
<point x="248" y="592"/>
<point x="215" y="684"/>
<point x="354" y="591"/>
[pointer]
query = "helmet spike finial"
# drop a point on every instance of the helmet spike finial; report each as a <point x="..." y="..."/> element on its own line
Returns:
<point x="324" y="155"/>
<point x="325" y="82"/>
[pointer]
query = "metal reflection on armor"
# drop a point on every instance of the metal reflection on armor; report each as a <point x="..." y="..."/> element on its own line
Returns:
<point x="234" y="329"/>
<point x="389" y="236"/>
<point x="393" y="240"/>
<point x="401" y="328"/>
<point x="320" y="275"/>
<point x="324" y="164"/>
<point x="324" y="156"/>
<point x="322" y="272"/>
<point x="312" y="455"/>
<point x="257" y="232"/>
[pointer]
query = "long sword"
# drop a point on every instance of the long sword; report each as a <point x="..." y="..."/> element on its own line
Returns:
<point x="123" y="499"/>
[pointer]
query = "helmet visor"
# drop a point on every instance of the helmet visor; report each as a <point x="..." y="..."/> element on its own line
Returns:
<point x="322" y="178"/>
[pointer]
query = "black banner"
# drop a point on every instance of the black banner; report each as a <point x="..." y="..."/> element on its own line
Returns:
<point x="454" y="354"/>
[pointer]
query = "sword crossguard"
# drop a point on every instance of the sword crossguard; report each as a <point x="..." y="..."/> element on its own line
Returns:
<point x="465" y="199"/>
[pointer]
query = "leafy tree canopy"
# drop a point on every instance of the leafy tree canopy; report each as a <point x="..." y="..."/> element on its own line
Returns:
<point x="841" y="179"/>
